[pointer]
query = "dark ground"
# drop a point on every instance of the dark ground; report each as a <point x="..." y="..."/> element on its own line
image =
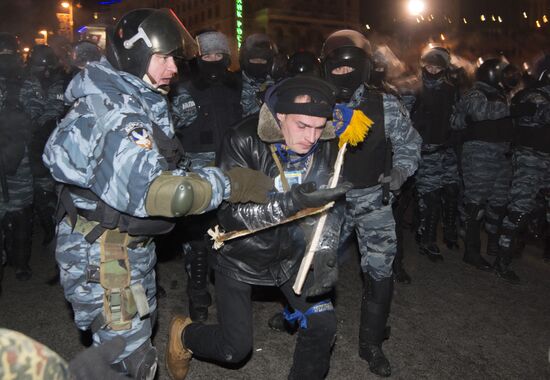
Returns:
<point x="452" y="322"/>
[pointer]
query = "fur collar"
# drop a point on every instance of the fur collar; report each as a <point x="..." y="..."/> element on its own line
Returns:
<point x="269" y="130"/>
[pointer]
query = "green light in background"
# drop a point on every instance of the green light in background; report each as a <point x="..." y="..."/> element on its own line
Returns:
<point x="239" y="22"/>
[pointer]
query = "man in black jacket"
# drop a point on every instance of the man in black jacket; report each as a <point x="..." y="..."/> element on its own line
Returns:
<point x="290" y="142"/>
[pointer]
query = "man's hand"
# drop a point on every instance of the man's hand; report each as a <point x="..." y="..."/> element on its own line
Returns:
<point x="306" y="195"/>
<point x="95" y="362"/>
<point x="325" y="273"/>
<point x="248" y="185"/>
<point x="396" y="179"/>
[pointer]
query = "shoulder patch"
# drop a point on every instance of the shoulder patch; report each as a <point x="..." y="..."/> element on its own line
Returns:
<point x="139" y="135"/>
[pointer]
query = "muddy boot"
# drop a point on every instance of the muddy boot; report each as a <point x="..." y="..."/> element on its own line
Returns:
<point x="450" y="215"/>
<point x="177" y="355"/>
<point x="430" y="220"/>
<point x="197" y="285"/>
<point x="375" y="308"/>
<point x="472" y="240"/>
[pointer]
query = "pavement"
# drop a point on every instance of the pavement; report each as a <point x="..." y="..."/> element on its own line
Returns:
<point x="452" y="322"/>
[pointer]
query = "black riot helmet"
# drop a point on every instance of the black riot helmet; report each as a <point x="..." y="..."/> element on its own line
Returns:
<point x="490" y="72"/>
<point x="8" y="43"/>
<point x="143" y="32"/>
<point x="304" y="62"/>
<point x="42" y="57"/>
<point x="347" y="48"/>
<point x="84" y="52"/>
<point x="257" y="47"/>
<point x="10" y="61"/>
<point x="541" y="70"/>
<point x="511" y="77"/>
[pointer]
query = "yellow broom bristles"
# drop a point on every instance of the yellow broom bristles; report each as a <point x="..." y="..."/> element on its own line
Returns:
<point x="357" y="129"/>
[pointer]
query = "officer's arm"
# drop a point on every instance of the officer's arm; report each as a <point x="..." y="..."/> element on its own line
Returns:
<point x="405" y="139"/>
<point x="479" y="108"/>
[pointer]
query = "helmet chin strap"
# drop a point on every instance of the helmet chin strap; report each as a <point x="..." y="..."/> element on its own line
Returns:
<point x="163" y="89"/>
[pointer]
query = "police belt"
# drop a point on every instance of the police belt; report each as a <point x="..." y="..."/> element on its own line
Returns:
<point x="536" y="138"/>
<point x="122" y="300"/>
<point x="494" y="131"/>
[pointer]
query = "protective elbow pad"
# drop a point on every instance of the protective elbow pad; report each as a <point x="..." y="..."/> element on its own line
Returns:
<point x="174" y="196"/>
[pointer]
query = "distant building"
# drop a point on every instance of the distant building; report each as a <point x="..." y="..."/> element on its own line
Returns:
<point x="293" y="24"/>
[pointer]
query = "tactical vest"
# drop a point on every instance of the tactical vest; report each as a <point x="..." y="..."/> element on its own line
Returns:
<point x="109" y="218"/>
<point x="431" y="113"/>
<point x="494" y="131"/>
<point x="218" y="108"/>
<point x="537" y="138"/>
<point x="364" y="163"/>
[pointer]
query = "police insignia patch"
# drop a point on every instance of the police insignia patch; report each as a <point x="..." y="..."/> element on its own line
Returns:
<point x="140" y="136"/>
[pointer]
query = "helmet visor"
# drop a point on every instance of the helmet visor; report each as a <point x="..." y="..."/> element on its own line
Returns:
<point x="164" y="33"/>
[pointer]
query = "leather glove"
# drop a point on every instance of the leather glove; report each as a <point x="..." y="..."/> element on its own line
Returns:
<point x="95" y="362"/>
<point x="249" y="185"/>
<point x="306" y="195"/>
<point x="325" y="272"/>
<point x="523" y="109"/>
<point x="396" y="179"/>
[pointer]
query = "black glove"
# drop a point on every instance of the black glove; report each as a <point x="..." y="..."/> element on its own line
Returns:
<point x="396" y="179"/>
<point x="248" y="185"/>
<point x="306" y="195"/>
<point x="95" y="362"/>
<point x="325" y="272"/>
<point x="523" y="109"/>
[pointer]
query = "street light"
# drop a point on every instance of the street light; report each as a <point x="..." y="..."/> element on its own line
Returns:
<point x="68" y="5"/>
<point x="416" y="7"/>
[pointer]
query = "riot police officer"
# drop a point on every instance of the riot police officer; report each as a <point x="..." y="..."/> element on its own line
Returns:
<point x="347" y="63"/>
<point x="204" y="107"/>
<point x="16" y="182"/>
<point x="484" y="118"/>
<point x="117" y="158"/>
<point x="531" y="167"/>
<point x="437" y="176"/>
<point x="42" y="98"/>
<point x="256" y="59"/>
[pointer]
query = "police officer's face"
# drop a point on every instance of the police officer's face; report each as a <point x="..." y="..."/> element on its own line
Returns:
<point x="214" y="57"/>
<point x="162" y="69"/>
<point x="433" y="69"/>
<point x="301" y="132"/>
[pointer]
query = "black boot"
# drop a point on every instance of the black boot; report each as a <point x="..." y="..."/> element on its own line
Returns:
<point x="279" y="323"/>
<point x="502" y="267"/>
<point x="450" y="215"/>
<point x="472" y="241"/>
<point x="430" y="220"/>
<point x="375" y="308"/>
<point x="492" y="244"/>
<point x="399" y="273"/>
<point x="197" y="285"/>
<point x="18" y="251"/>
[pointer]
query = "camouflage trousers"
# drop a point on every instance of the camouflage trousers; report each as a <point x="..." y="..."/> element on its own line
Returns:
<point x="436" y="170"/>
<point x="531" y="175"/>
<point x="487" y="173"/>
<point x="374" y="226"/>
<point x="74" y="254"/>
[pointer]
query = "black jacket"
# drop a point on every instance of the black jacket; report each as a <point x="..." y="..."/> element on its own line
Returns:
<point x="272" y="256"/>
